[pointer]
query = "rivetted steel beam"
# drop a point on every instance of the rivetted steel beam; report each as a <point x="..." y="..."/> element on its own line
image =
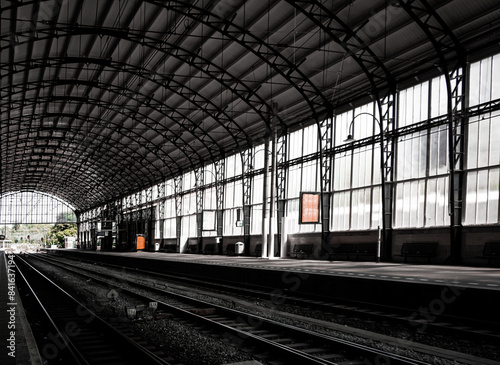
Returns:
<point x="247" y="158"/>
<point x="166" y="112"/>
<point x="429" y="21"/>
<point x="221" y="116"/>
<point x="113" y="163"/>
<point x="130" y="133"/>
<point x="267" y="54"/>
<point x="375" y="70"/>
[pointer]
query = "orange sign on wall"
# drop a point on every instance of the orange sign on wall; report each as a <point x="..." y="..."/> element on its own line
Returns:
<point x="141" y="242"/>
<point x="309" y="208"/>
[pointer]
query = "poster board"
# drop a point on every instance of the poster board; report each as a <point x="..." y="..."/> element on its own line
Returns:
<point x="309" y="208"/>
<point x="141" y="242"/>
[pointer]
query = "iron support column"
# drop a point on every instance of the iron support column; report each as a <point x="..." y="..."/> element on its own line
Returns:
<point x="272" y="204"/>
<point x="199" y="173"/>
<point x="247" y="162"/>
<point x="281" y="174"/>
<point x="264" y="199"/>
<point x="178" y="209"/>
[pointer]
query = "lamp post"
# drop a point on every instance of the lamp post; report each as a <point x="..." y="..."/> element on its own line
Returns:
<point x="350" y="138"/>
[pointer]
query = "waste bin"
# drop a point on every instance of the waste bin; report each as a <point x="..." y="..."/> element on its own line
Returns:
<point x="239" y="247"/>
<point x="157" y="246"/>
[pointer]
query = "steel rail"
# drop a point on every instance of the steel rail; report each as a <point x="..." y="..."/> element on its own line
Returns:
<point x="135" y="348"/>
<point x="363" y="351"/>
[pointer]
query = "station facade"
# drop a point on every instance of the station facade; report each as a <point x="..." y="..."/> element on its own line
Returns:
<point x="423" y="166"/>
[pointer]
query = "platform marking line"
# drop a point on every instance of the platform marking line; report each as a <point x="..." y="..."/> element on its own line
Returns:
<point x="473" y="283"/>
<point x="491" y="284"/>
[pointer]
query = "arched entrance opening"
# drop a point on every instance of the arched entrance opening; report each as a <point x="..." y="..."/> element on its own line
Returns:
<point x="32" y="219"/>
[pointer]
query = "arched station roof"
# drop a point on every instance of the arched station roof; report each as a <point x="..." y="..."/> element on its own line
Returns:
<point x="103" y="98"/>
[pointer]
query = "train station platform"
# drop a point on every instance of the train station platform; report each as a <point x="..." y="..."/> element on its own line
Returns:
<point x="461" y="276"/>
<point x="424" y="290"/>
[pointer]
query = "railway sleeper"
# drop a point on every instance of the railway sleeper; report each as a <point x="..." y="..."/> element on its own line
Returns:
<point x="298" y="345"/>
<point x="283" y="340"/>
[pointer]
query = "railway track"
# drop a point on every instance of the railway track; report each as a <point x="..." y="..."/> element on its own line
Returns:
<point x="391" y="316"/>
<point x="72" y="333"/>
<point x="270" y="341"/>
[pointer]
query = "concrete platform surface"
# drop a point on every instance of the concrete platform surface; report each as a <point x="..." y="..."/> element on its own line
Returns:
<point x="463" y="276"/>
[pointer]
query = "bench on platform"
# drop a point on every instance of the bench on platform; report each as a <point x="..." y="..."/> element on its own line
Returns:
<point x="230" y="249"/>
<point x="365" y="249"/>
<point x="419" y="249"/>
<point x="303" y="249"/>
<point x="170" y="248"/>
<point x="343" y="249"/>
<point x="258" y="250"/>
<point x="192" y="248"/>
<point x="209" y="249"/>
<point x="491" y="251"/>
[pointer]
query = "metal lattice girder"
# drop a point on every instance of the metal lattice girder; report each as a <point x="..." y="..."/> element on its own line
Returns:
<point x="123" y="96"/>
<point x="262" y="50"/>
<point x="247" y="157"/>
<point x="457" y="125"/>
<point x="178" y="196"/>
<point x="325" y="131"/>
<point x="119" y="211"/>
<point x="346" y="36"/>
<point x="444" y="41"/>
<point x="178" y="206"/>
<point x="149" y="194"/>
<point x="161" y="205"/>
<point x="99" y="100"/>
<point x="388" y="107"/>
<point x="137" y="198"/>
<point x="281" y="160"/>
<point x="281" y="182"/>
<point x="199" y="178"/>
<point x="220" y="168"/>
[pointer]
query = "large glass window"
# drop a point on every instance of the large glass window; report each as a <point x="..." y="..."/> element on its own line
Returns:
<point x="421" y="188"/>
<point x="485" y="80"/>
<point x="483" y="149"/>
<point x="233" y="204"/>
<point x="356" y="173"/>
<point x="413" y="104"/>
<point x="169" y="230"/>
<point x="33" y="207"/>
<point x="303" y="176"/>
<point x="420" y="169"/>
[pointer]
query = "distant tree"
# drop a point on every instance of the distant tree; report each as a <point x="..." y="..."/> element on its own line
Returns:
<point x="61" y="230"/>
